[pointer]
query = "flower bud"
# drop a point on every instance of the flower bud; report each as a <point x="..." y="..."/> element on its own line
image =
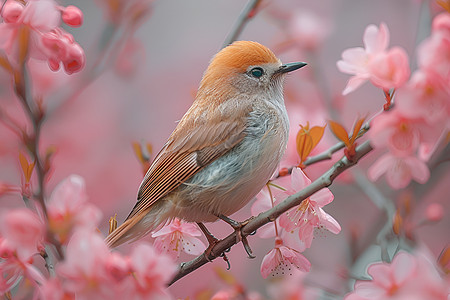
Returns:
<point x="434" y="212"/>
<point x="12" y="11"/>
<point x="72" y="16"/>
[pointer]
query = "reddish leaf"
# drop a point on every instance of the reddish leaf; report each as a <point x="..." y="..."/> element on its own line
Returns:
<point x="444" y="260"/>
<point x="339" y="132"/>
<point x="316" y="134"/>
<point x="23" y="37"/>
<point x="27" y="168"/>
<point x="4" y="63"/>
<point x="444" y="4"/>
<point x="138" y="151"/>
<point x="397" y="223"/>
<point x="359" y="123"/>
<point x="304" y="144"/>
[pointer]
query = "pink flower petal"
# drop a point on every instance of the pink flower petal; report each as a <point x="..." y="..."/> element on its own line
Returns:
<point x="376" y="39"/>
<point x="353" y="83"/>
<point x="380" y="167"/>
<point x="354" y="61"/>
<point x="419" y="170"/>
<point x="369" y="290"/>
<point x="299" y="180"/>
<point x="322" y="197"/>
<point x="192" y="245"/>
<point x="269" y="263"/>
<point x="329" y="222"/>
<point x="295" y="258"/>
<point x="403" y="266"/>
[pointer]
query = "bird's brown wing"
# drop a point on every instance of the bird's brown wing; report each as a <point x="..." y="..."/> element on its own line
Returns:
<point x="185" y="153"/>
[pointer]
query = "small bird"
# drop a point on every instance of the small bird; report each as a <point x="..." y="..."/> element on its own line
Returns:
<point x="225" y="148"/>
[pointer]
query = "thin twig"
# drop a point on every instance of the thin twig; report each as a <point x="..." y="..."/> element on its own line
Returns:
<point x="246" y="14"/>
<point x="272" y="214"/>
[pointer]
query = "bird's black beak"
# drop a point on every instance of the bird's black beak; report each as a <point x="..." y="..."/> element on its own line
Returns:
<point x="286" y="68"/>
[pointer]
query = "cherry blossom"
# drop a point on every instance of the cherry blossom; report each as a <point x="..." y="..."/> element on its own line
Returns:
<point x="402" y="135"/>
<point x="178" y="236"/>
<point x="68" y="208"/>
<point x="407" y="277"/>
<point x="432" y="54"/>
<point x="23" y="231"/>
<point x="13" y="268"/>
<point x="151" y="273"/>
<point x="292" y="288"/>
<point x="400" y="170"/>
<point x="309" y="214"/>
<point x="384" y="68"/>
<point x="72" y="16"/>
<point x="46" y="41"/>
<point x="441" y="23"/>
<point x="281" y="260"/>
<point x="307" y="29"/>
<point x="84" y="269"/>
<point x="425" y="96"/>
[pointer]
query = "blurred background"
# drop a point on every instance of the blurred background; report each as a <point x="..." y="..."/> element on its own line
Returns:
<point x="143" y="68"/>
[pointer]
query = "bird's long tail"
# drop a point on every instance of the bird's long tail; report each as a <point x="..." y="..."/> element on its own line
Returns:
<point x="129" y="230"/>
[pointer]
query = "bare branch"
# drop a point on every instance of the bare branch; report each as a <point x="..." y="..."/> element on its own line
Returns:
<point x="246" y="14"/>
<point x="272" y="214"/>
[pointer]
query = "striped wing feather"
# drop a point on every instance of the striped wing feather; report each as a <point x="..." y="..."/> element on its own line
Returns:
<point x="183" y="156"/>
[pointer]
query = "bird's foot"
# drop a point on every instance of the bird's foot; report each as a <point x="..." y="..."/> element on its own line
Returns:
<point x="212" y="241"/>
<point x="237" y="226"/>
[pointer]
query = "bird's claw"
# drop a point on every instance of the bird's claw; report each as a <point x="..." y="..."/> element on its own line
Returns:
<point x="237" y="226"/>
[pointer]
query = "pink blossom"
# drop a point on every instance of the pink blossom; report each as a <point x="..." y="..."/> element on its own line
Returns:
<point x="130" y="58"/>
<point x="432" y="54"/>
<point x="309" y="214"/>
<point x="60" y="47"/>
<point x="307" y="29"/>
<point x="46" y="41"/>
<point x="68" y="208"/>
<point x="401" y="134"/>
<point x="39" y="16"/>
<point x="53" y="290"/>
<point x="389" y="69"/>
<point x="177" y="236"/>
<point x="426" y="96"/>
<point x="400" y="170"/>
<point x="84" y="268"/>
<point x="151" y="273"/>
<point x="407" y="277"/>
<point x="292" y="288"/>
<point x="72" y="16"/>
<point x="385" y="68"/>
<point x="11" y="11"/>
<point x="23" y="230"/>
<point x="281" y="260"/>
<point x="441" y="23"/>
<point x="434" y="212"/>
<point x="13" y="268"/>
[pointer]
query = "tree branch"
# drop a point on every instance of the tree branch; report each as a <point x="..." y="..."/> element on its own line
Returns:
<point x="272" y="214"/>
<point x="246" y="14"/>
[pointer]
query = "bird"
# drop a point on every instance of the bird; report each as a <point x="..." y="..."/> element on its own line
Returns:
<point x="225" y="148"/>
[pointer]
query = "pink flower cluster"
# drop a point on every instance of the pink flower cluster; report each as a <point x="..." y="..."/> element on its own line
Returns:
<point x="385" y="68"/>
<point x="45" y="39"/>
<point x="407" y="277"/>
<point x="295" y="229"/>
<point x="412" y="129"/>
<point x="89" y="270"/>
<point x="178" y="236"/>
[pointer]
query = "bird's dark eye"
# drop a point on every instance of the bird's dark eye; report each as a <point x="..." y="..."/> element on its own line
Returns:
<point x="257" y="72"/>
